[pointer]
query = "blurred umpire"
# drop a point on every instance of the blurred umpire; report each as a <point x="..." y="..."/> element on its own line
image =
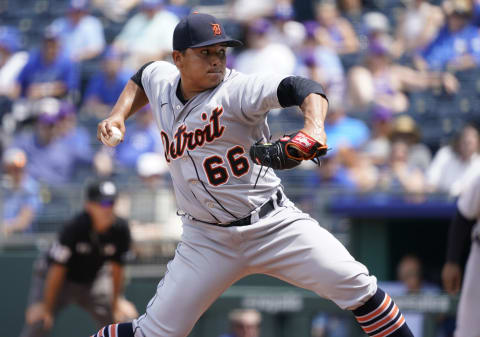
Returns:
<point x="84" y="266"/>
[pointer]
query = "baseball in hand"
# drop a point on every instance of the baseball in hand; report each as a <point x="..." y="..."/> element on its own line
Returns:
<point x="114" y="139"/>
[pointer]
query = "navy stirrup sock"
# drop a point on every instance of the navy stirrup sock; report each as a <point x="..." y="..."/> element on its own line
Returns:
<point x="116" y="330"/>
<point x="380" y="317"/>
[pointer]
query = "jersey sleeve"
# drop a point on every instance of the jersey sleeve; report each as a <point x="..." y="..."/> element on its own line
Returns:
<point x="257" y="94"/>
<point x="123" y="243"/>
<point x="469" y="201"/>
<point x="153" y="74"/>
<point x="61" y="250"/>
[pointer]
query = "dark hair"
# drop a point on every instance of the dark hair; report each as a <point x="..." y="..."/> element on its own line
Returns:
<point x="458" y="137"/>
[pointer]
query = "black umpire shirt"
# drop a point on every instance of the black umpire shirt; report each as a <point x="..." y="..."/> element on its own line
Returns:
<point x="84" y="251"/>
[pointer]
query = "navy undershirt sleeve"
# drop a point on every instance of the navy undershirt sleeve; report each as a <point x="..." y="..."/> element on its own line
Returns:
<point x="458" y="237"/>
<point x="137" y="77"/>
<point x="292" y="90"/>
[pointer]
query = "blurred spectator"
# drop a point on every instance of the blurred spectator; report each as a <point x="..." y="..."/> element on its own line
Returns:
<point x="284" y="28"/>
<point x="151" y="169"/>
<point x="348" y="169"/>
<point x="105" y="86"/>
<point x="411" y="282"/>
<point x="142" y="137"/>
<point x="377" y="148"/>
<point x="48" y="72"/>
<point x="115" y="10"/>
<point x="334" y="31"/>
<point x="270" y="57"/>
<point x="180" y="8"/>
<point x="409" y="273"/>
<point x="11" y="60"/>
<point x="53" y="157"/>
<point x="476" y="12"/>
<point x="73" y="134"/>
<point x="148" y="34"/>
<point x="453" y="166"/>
<point x="344" y="131"/>
<point x="418" y="24"/>
<point x="21" y="197"/>
<point x="250" y="10"/>
<point x="321" y="63"/>
<point x="81" y="34"/>
<point x="382" y="82"/>
<point x="331" y="173"/>
<point x="457" y="45"/>
<point x="244" y="323"/>
<point x="151" y="204"/>
<point x="330" y="325"/>
<point x="345" y="166"/>
<point x="352" y="10"/>
<point x="398" y="175"/>
<point x="405" y="129"/>
<point x="375" y="25"/>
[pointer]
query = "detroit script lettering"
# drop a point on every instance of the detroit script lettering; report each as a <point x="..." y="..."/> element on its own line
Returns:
<point x="191" y="139"/>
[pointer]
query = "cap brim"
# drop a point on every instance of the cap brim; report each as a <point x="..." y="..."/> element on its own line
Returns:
<point x="229" y="42"/>
<point x="107" y="202"/>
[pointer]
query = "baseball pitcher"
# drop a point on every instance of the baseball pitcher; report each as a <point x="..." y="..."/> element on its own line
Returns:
<point x="236" y="218"/>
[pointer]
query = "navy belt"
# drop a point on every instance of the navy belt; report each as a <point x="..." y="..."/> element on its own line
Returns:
<point x="264" y="210"/>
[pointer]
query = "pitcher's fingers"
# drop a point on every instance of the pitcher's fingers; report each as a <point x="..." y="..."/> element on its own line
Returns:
<point x="103" y="129"/>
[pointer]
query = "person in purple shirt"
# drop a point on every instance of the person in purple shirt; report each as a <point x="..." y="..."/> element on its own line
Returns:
<point x="69" y="131"/>
<point x="457" y="45"/>
<point x="53" y="159"/>
<point x="105" y="86"/>
<point x="48" y="72"/>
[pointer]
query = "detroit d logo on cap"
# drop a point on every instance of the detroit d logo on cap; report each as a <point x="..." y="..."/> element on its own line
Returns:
<point x="216" y="29"/>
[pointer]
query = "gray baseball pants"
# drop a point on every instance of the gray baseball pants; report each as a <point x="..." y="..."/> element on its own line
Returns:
<point x="286" y="243"/>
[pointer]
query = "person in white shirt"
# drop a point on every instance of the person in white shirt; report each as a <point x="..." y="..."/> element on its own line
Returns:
<point x="81" y="34"/>
<point x="147" y="35"/>
<point x="455" y="165"/>
<point x="11" y="60"/>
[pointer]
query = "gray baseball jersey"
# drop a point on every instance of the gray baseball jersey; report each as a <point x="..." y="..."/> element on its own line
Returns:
<point x="207" y="140"/>
<point x="206" y="144"/>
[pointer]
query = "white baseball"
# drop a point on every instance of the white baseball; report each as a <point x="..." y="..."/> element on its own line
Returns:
<point x="114" y="139"/>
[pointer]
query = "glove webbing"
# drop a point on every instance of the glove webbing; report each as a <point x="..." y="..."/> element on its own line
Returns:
<point x="261" y="165"/>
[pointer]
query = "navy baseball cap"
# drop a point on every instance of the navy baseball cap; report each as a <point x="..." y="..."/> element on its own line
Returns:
<point x="103" y="192"/>
<point x="200" y="30"/>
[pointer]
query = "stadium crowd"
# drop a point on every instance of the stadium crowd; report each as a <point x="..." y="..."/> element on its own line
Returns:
<point x="401" y="77"/>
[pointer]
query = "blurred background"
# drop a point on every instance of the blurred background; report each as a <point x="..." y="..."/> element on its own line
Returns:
<point x="403" y="82"/>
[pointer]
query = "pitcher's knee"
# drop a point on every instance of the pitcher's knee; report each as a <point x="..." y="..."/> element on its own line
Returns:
<point x="352" y="292"/>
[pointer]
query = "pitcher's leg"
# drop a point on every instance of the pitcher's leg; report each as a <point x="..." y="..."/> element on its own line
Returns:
<point x="201" y="270"/>
<point x="194" y="279"/>
<point x="306" y="255"/>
